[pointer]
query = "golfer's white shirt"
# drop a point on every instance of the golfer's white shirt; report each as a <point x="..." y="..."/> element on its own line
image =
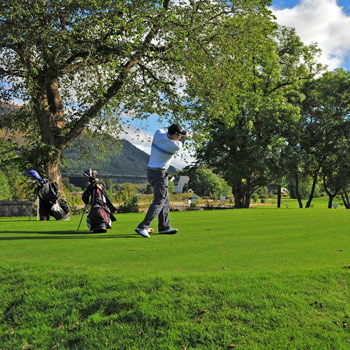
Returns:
<point x="163" y="150"/>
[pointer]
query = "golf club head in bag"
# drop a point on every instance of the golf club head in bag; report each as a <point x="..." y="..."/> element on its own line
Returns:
<point x="91" y="174"/>
<point x="34" y="175"/>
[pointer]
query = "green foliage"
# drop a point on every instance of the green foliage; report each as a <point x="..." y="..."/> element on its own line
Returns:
<point x="81" y="73"/>
<point x="247" y="107"/>
<point x="304" y="188"/>
<point x="255" y="197"/>
<point x="205" y="183"/>
<point x="128" y="207"/>
<point x="171" y="187"/>
<point x="126" y="192"/>
<point x="6" y="191"/>
<point x="127" y="196"/>
<point x="14" y="186"/>
<point x="75" y="201"/>
<point x="149" y="189"/>
<point x="109" y="186"/>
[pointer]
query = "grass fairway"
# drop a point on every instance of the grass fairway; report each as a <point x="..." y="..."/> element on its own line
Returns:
<point x="242" y="279"/>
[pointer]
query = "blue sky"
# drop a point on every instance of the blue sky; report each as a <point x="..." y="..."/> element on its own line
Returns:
<point x="325" y="22"/>
<point x="281" y="4"/>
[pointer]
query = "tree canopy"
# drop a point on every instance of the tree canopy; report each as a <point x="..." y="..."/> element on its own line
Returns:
<point x="78" y="64"/>
<point x="255" y="94"/>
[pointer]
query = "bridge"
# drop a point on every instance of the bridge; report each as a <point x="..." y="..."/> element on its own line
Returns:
<point x="108" y="176"/>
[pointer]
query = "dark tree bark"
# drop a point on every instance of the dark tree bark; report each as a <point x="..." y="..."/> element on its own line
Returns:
<point x="297" y="190"/>
<point x="311" y="196"/>
<point x="329" y="193"/>
<point x="279" y="196"/>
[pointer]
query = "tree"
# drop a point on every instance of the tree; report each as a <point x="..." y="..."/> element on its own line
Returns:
<point x="205" y="183"/>
<point x="326" y="137"/>
<point x="78" y="64"/>
<point x="246" y="134"/>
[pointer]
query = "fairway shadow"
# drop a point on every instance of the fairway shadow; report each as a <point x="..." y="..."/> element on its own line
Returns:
<point x="64" y="235"/>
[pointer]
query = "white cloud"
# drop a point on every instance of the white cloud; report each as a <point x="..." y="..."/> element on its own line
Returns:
<point x="322" y="22"/>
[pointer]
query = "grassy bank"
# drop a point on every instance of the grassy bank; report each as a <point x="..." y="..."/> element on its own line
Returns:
<point x="245" y="279"/>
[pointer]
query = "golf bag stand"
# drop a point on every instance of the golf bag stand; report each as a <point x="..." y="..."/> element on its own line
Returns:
<point x="100" y="216"/>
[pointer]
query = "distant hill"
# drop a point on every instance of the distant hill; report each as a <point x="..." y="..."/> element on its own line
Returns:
<point x="117" y="158"/>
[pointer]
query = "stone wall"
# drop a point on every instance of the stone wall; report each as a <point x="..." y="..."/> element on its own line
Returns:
<point x="17" y="208"/>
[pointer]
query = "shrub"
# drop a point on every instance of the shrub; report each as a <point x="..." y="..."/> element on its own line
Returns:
<point x="254" y="197"/>
<point x="131" y="207"/>
<point x="6" y="192"/>
<point x="127" y="196"/>
<point x="206" y="183"/>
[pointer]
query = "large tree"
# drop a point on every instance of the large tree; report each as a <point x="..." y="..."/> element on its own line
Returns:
<point x="326" y="133"/>
<point x="74" y="64"/>
<point x="254" y="107"/>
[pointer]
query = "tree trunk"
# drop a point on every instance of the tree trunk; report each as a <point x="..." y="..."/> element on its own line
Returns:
<point x="330" y="195"/>
<point x="53" y="171"/>
<point x="279" y="195"/>
<point x="238" y="194"/>
<point x="297" y="190"/>
<point x="311" y="196"/>
<point x="54" y="174"/>
<point x="330" y="201"/>
<point x="246" y="200"/>
<point x="345" y="197"/>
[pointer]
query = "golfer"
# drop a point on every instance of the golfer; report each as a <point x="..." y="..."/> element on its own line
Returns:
<point x="164" y="146"/>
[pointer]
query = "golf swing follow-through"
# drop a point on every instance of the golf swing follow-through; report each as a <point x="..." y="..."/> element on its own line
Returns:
<point x="100" y="216"/>
<point x="164" y="146"/>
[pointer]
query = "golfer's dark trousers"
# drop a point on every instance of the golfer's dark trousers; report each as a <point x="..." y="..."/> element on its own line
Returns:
<point x="158" y="178"/>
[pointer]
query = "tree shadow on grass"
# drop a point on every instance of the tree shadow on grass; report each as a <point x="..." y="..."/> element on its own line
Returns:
<point x="63" y="235"/>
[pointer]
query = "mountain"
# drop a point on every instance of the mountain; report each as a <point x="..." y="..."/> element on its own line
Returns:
<point x="111" y="157"/>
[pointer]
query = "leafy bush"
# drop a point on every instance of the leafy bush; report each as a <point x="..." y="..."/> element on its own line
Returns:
<point x="254" y="197"/>
<point x="126" y="194"/>
<point x="6" y="192"/>
<point x="131" y="207"/>
<point x="15" y="186"/>
<point x="171" y="187"/>
<point x="205" y="183"/>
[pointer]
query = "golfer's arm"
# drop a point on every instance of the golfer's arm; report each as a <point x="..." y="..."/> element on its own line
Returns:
<point x="169" y="146"/>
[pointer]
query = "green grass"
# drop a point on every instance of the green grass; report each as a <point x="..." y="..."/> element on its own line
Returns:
<point x="255" y="278"/>
<point x="319" y="203"/>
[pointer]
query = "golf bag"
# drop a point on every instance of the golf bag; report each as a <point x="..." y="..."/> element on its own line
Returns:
<point x="49" y="202"/>
<point x="100" y="216"/>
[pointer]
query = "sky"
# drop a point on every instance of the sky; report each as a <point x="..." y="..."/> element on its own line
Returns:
<point x="325" y="22"/>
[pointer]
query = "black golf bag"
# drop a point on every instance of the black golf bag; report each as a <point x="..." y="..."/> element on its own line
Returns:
<point x="49" y="202"/>
<point x="100" y="216"/>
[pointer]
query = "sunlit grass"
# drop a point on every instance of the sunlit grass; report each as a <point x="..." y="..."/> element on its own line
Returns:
<point x="253" y="279"/>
